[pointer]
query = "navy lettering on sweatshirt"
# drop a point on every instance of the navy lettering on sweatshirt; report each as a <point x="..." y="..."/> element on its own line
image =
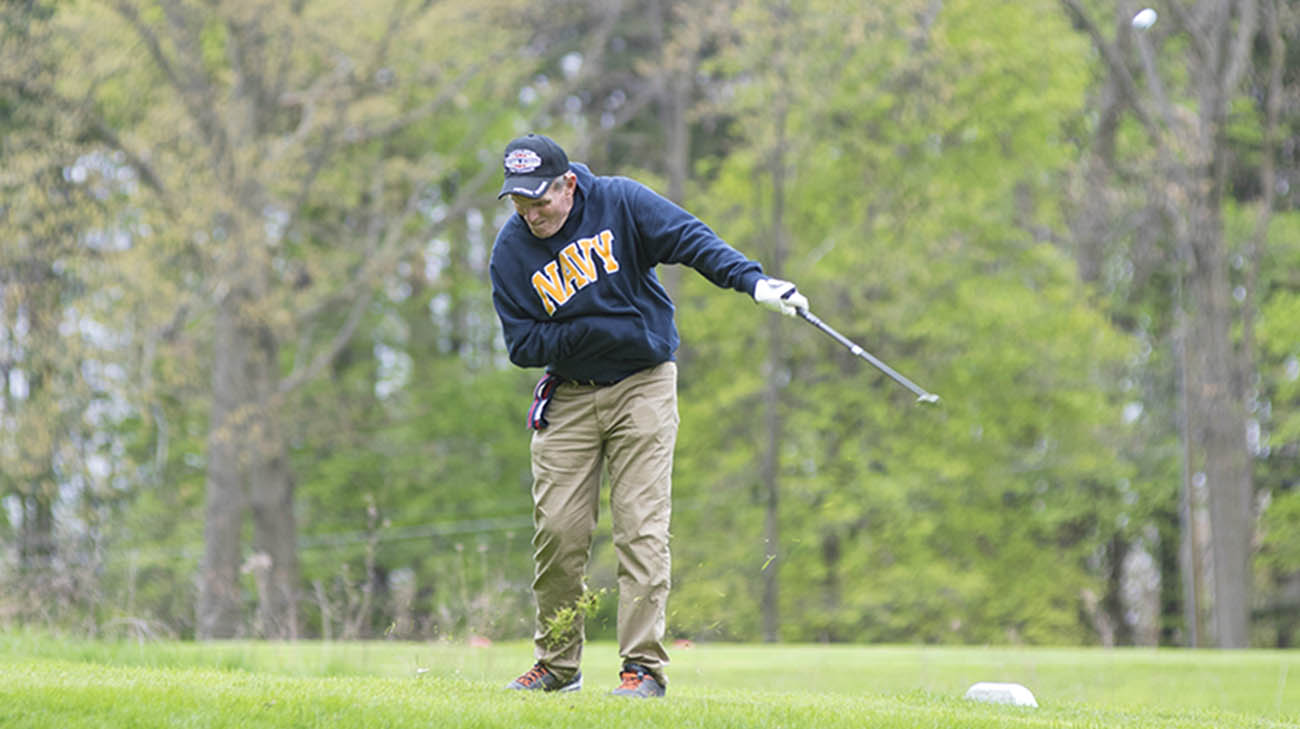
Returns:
<point x="586" y="303"/>
<point x="574" y="269"/>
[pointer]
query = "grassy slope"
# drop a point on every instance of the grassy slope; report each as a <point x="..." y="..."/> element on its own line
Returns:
<point x="54" y="683"/>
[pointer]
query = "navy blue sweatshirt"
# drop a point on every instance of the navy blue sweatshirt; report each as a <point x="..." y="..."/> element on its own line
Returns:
<point x="586" y="303"/>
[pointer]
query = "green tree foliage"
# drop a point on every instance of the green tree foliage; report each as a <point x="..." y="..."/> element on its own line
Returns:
<point x="924" y="232"/>
<point x="293" y="165"/>
<point x="61" y="388"/>
<point x="1169" y="262"/>
<point x="1278" y="569"/>
<point x="301" y="196"/>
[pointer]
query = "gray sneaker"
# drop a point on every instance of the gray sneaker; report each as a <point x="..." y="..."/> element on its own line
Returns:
<point x="638" y="682"/>
<point x="540" y="678"/>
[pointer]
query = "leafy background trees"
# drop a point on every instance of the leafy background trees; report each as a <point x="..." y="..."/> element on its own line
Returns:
<point x="254" y="386"/>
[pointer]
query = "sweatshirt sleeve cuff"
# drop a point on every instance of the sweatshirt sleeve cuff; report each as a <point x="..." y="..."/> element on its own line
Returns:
<point x="751" y="280"/>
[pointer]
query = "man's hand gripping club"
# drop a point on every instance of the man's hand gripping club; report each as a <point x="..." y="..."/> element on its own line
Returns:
<point x="780" y="295"/>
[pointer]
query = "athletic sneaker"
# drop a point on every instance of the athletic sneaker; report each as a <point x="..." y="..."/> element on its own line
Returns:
<point x="540" y="678"/>
<point x="638" y="682"/>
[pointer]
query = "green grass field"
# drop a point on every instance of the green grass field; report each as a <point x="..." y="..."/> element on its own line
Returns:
<point x="47" y="682"/>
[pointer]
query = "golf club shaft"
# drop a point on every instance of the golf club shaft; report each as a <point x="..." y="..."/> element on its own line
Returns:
<point x="921" y="394"/>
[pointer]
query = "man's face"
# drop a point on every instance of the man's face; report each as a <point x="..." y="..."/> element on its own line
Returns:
<point x="546" y="215"/>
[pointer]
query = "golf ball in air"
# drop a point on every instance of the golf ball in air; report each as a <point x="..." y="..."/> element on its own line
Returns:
<point x="1144" y="19"/>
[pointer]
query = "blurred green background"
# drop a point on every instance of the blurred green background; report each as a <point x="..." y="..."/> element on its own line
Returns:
<point x="252" y="385"/>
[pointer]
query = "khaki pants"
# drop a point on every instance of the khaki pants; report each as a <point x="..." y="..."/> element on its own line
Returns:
<point x="629" y="430"/>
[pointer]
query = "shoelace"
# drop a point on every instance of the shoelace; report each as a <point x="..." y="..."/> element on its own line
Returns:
<point x="535" y="674"/>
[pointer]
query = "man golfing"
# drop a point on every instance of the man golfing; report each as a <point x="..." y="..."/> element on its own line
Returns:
<point x="574" y="284"/>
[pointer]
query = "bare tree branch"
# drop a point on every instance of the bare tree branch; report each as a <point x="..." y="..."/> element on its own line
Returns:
<point x="381" y="244"/>
<point x="1189" y="25"/>
<point x="1267" y="182"/>
<point x="327" y="354"/>
<point x="310" y="98"/>
<point x="383" y="254"/>
<point x="1117" y="66"/>
<point x="1239" y="54"/>
<point x="1154" y="82"/>
<point x="193" y="99"/>
<point x="97" y="127"/>
<point x="409" y="119"/>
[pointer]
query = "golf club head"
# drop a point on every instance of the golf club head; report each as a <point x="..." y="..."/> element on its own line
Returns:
<point x="928" y="398"/>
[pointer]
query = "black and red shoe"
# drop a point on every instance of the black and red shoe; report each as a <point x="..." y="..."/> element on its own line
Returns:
<point x="540" y="678"/>
<point x="638" y="682"/>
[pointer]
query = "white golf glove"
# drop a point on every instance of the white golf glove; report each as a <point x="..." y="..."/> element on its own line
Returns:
<point x="779" y="295"/>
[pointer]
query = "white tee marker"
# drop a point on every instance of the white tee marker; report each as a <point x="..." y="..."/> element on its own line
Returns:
<point x="1001" y="693"/>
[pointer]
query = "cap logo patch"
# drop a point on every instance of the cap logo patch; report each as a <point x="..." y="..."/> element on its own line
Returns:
<point x="522" y="161"/>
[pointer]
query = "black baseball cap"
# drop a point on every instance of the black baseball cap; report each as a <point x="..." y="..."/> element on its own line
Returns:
<point x="531" y="163"/>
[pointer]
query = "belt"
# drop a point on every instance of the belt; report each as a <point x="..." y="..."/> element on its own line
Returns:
<point x="590" y="383"/>
<point x="545" y="389"/>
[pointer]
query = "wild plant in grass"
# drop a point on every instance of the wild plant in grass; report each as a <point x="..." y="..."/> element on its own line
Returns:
<point x="563" y="625"/>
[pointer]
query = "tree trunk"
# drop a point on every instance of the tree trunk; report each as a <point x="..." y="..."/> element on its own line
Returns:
<point x="219" y="604"/>
<point x="678" y="155"/>
<point x="36" y="536"/>
<point x="247" y="468"/>
<point x="776" y="377"/>
<point x="270" y="496"/>
<point x="772" y="489"/>
<point x="275" y="533"/>
<point x="679" y="63"/>
<point x="1193" y="153"/>
<point x="1218" y="397"/>
<point x="1218" y="431"/>
<point x="831" y="553"/>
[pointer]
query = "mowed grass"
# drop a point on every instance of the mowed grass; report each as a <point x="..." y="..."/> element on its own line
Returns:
<point x="52" y="682"/>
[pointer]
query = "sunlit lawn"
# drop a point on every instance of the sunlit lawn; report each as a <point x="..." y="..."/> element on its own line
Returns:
<point x="46" y="682"/>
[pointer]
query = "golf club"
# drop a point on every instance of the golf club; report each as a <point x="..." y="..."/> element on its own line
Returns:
<point x="921" y="394"/>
